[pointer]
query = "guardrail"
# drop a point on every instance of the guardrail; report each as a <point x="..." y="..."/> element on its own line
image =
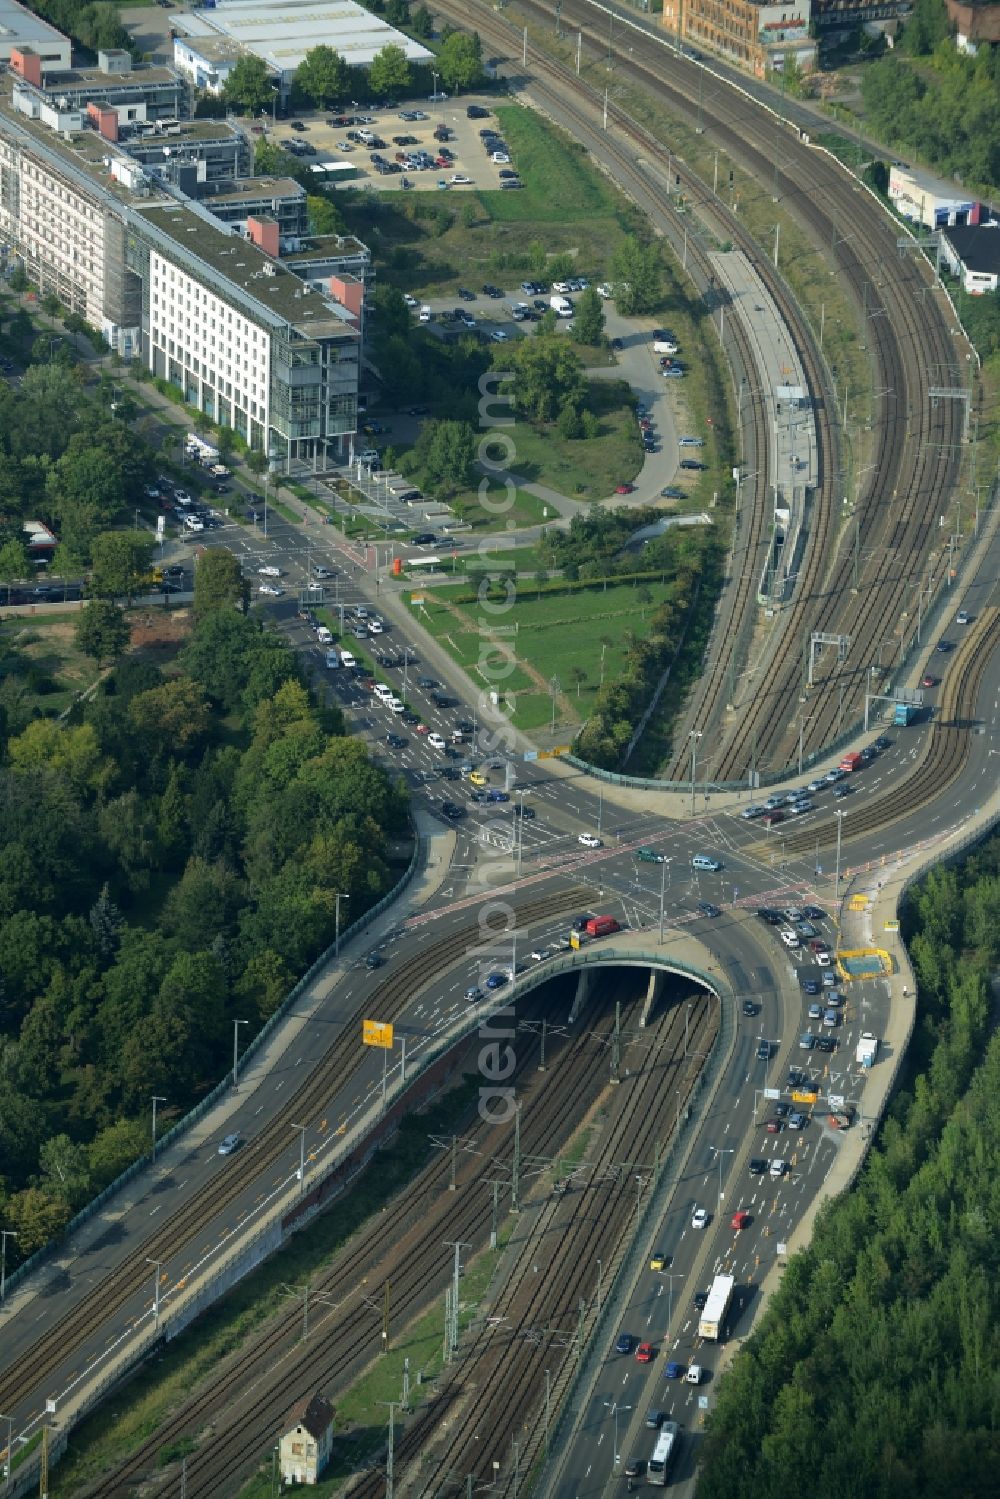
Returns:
<point x="201" y="1108"/>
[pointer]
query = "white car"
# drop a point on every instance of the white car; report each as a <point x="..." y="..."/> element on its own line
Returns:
<point x="269" y="572"/>
<point x="560" y="287"/>
<point x="410" y="301"/>
<point x="699" y="1218"/>
<point x="500" y="158"/>
<point x="499" y="336"/>
<point x="690" y="442"/>
<point x="539" y="954"/>
<point x="270" y="589"/>
<point x="459" y="179"/>
<point x="605" y="291"/>
<point x="395" y="706"/>
<point x="962" y="617"/>
<point x="424" y="315"/>
<point x="436" y="741"/>
<point x="375" y="627"/>
<point x="589" y="840"/>
<point x="193" y="523"/>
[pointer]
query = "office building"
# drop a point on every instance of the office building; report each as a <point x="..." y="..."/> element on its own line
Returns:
<point x="210" y="42"/>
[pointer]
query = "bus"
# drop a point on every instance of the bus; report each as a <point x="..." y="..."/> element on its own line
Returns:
<point x="659" y="1463"/>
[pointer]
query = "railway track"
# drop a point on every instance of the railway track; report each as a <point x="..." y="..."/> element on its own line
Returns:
<point x="502" y="1376"/>
<point x="912" y="348"/>
<point x="402" y="1246"/>
<point x="948" y="745"/>
<point x="36" y="1367"/>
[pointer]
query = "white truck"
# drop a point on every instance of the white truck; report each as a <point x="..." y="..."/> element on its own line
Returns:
<point x="201" y="451"/>
<point x="714" y="1312"/>
<point x="561" y="306"/>
<point x="867" y="1051"/>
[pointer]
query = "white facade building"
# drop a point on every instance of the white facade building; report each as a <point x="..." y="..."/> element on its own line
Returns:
<point x="22" y="28"/>
<point x="225" y="356"/>
<point x="209" y="41"/>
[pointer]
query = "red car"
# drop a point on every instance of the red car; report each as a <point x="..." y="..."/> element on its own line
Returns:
<point x="770" y="818"/>
<point x="740" y="1220"/>
<point x="644" y="1353"/>
<point x="774" y="1126"/>
<point x="422" y="728"/>
<point x="624" y="489"/>
<point x="929" y="681"/>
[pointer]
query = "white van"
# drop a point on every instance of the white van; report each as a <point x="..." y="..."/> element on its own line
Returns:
<point x="347" y="660"/>
<point x="703" y="861"/>
<point x="561" y="306"/>
<point x="383" y="692"/>
<point x="789" y="938"/>
<point x="324" y="636"/>
<point x="693" y="1375"/>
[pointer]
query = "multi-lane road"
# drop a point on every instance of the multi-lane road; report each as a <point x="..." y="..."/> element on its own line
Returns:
<point x="195" y="1201"/>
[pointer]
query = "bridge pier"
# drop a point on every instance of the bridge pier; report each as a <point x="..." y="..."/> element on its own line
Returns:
<point x="653" y="993"/>
<point x="582" y="994"/>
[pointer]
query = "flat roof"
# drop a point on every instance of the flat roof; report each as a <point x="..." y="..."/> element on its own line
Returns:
<point x="18" y="26"/>
<point x="251" y="189"/>
<point x="267" y="281"/>
<point x="138" y="77"/>
<point x="282" y="34"/>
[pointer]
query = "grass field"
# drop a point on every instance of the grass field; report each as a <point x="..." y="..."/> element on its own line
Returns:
<point x="586" y="468"/>
<point x="46" y="672"/>
<point x="557" y="635"/>
<point x="566" y="207"/>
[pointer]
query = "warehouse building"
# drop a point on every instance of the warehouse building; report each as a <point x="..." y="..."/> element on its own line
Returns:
<point x="210" y="42"/>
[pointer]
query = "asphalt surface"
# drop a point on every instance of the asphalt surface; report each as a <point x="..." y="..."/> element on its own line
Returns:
<point x="624" y="886"/>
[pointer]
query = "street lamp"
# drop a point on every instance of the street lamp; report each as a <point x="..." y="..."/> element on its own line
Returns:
<point x="236" y="1043"/>
<point x="839" y="814"/>
<point x="599" y="1287"/>
<point x="720" y="1151"/>
<point x="616" y="1411"/>
<point x="664" y="867"/>
<point x="158" y="1265"/>
<point x="670" y="1276"/>
<point x="8" y="1460"/>
<point x="694" y="736"/>
<point x="338" y="897"/>
<point x="5" y="1234"/>
<point x="155" y="1100"/>
<point x="302" y="1153"/>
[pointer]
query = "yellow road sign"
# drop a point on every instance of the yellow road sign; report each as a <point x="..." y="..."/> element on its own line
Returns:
<point x="804" y="1097"/>
<point x="892" y="926"/>
<point x="376" y="1033"/>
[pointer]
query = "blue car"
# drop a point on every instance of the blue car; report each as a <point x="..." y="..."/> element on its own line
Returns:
<point x="497" y="796"/>
<point x="674" y="1370"/>
<point x="496" y="981"/>
<point x="810" y="986"/>
<point x="626" y="1342"/>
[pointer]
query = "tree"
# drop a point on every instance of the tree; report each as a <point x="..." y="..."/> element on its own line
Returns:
<point x="114" y="1149"/>
<point x="389" y="72"/>
<point x="65" y="1171"/>
<point x="175" y="714"/>
<point x="324" y="216"/>
<point x="445" y="456"/>
<point x="37" y="1218"/>
<point x="460" y="60"/>
<point x="18" y="279"/>
<point x="15" y="563"/>
<point x="102" y="631"/>
<point x="578" y="675"/>
<point x="547" y="375"/>
<point x="421" y="23"/>
<point x="269" y="160"/>
<point x="588" y="318"/>
<point x="219" y="582"/>
<point x="323" y="76"/>
<point x="120" y="560"/>
<point x="250" y="84"/>
<point x="636" y="271"/>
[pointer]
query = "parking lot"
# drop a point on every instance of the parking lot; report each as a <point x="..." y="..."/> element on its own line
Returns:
<point x="426" y="144"/>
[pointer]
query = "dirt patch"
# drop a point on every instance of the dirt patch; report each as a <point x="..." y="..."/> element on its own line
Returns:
<point x="158" y="636"/>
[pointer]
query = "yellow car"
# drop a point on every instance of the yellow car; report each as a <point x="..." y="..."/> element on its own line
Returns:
<point x="659" y="1260"/>
<point x="478" y="779"/>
